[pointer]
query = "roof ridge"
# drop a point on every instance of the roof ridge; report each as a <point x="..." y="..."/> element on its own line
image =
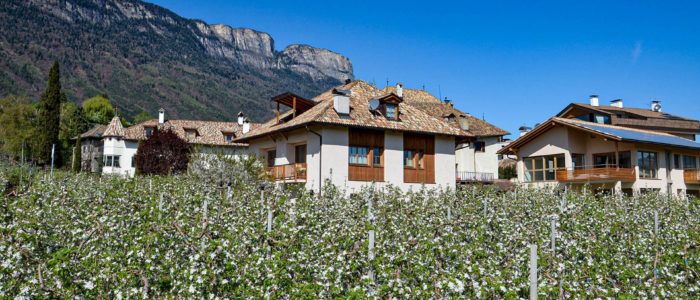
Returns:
<point x="576" y="121"/>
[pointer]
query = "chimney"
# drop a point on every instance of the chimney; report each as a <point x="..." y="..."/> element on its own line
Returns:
<point x="594" y="100"/>
<point x="241" y="116"/>
<point x="399" y="89"/>
<point x="161" y="116"/>
<point x="524" y="130"/>
<point x="463" y="123"/>
<point x="656" y="105"/>
<point x="246" y="126"/>
<point x="341" y="102"/>
<point x="617" y="103"/>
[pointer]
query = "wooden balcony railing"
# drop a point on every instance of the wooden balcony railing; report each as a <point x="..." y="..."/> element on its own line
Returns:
<point x="596" y="174"/>
<point x="290" y="172"/>
<point x="474" y="177"/>
<point x="692" y="176"/>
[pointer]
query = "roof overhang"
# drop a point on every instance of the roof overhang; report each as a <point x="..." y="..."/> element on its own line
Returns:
<point x="291" y="100"/>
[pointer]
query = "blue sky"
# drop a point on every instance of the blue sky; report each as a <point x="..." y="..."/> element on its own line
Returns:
<point x="513" y="62"/>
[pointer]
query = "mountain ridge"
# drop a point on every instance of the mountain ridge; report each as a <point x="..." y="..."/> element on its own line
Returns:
<point x="144" y="56"/>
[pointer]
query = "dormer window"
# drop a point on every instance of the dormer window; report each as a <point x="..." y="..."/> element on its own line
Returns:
<point x="391" y="111"/>
<point x="191" y="133"/>
<point x="149" y="131"/>
<point x="229" y="137"/>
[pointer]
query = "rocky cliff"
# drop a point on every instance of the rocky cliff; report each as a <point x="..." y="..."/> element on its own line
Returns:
<point x="144" y="56"/>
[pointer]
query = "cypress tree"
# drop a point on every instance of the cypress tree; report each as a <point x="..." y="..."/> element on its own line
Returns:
<point x="77" y="156"/>
<point x="49" y="118"/>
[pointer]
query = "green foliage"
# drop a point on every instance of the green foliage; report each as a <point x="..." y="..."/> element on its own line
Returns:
<point x="49" y="113"/>
<point x="77" y="156"/>
<point x="17" y="131"/>
<point x="142" y="116"/>
<point x="507" y="172"/>
<point x="184" y="237"/>
<point x="73" y="123"/>
<point x="98" y="110"/>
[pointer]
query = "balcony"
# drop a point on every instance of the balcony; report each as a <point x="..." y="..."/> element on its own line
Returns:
<point x="691" y="176"/>
<point x="290" y="172"/>
<point x="474" y="177"/>
<point x="596" y="174"/>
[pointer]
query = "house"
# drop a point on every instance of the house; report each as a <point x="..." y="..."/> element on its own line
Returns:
<point x="121" y="144"/>
<point x="357" y="134"/>
<point x="91" y="149"/>
<point x="476" y="158"/>
<point x="611" y="148"/>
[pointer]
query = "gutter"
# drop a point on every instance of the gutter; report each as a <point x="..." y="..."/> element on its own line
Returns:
<point x="320" y="160"/>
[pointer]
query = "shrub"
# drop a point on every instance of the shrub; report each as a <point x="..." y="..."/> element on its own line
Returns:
<point x="163" y="153"/>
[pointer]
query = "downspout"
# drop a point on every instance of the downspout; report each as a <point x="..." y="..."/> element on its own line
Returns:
<point x="320" y="160"/>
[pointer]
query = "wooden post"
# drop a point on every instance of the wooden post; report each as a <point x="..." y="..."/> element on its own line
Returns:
<point x="554" y="235"/>
<point x="53" y="151"/>
<point x="533" y="272"/>
<point x="294" y="107"/>
<point x="656" y="223"/>
<point x="617" y="155"/>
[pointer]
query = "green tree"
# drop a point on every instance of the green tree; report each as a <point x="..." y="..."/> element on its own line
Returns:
<point x="77" y="156"/>
<point x="73" y="123"/>
<point x="48" y="119"/>
<point x="98" y="110"/>
<point x="142" y="116"/>
<point x="16" y="126"/>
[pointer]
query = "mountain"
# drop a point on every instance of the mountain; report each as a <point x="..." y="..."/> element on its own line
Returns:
<point x="143" y="57"/>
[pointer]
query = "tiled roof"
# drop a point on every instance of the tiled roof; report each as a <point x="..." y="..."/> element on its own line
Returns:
<point x="647" y="113"/>
<point x="411" y="119"/>
<point x="611" y="132"/>
<point x="206" y="132"/>
<point x="94" y="132"/>
<point x="432" y="105"/>
<point x="114" y="128"/>
<point x="638" y="118"/>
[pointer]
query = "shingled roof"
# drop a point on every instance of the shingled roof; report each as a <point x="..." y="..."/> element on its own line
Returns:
<point x="636" y="117"/>
<point x="411" y="119"/>
<point x="115" y="128"/>
<point x="204" y="132"/>
<point x="433" y="106"/>
<point x="94" y="132"/>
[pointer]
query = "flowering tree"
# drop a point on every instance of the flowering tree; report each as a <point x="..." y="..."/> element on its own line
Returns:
<point x="163" y="153"/>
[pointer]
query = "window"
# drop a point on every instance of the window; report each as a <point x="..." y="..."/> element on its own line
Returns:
<point x="391" y="111"/>
<point x="609" y="160"/>
<point x="543" y="168"/>
<point x="677" y="161"/>
<point x="149" y="131"/>
<point x="648" y="164"/>
<point x="689" y="162"/>
<point x="111" y="161"/>
<point x="479" y="146"/>
<point x="578" y="161"/>
<point x="358" y="155"/>
<point x="377" y="157"/>
<point x="300" y="153"/>
<point x="133" y="162"/>
<point x="229" y="137"/>
<point x="271" y="158"/>
<point x="408" y="158"/>
<point x="191" y="133"/>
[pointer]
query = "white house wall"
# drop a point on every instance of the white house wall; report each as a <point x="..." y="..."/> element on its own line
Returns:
<point x="332" y="161"/>
<point x="468" y="160"/>
<point x="126" y="151"/>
